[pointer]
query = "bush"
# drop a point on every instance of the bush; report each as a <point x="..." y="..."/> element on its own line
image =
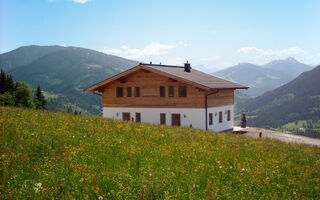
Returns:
<point x="7" y="99"/>
<point x="22" y="95"/>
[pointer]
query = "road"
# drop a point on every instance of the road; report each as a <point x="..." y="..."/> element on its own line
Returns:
<point x="254" y="132"/>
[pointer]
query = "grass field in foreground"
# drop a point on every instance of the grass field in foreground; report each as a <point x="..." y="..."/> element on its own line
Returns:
<point x="62" y="156"/>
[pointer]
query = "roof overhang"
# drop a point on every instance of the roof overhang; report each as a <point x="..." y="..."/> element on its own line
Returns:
<point x="104" y="83"/>
<point x="99" y="86"/>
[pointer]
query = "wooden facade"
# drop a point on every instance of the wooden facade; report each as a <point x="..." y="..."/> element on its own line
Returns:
<point x="222" y="98"/>
<point x="150" y="83"/>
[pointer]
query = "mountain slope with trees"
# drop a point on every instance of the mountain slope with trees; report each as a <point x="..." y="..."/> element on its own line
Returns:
<point x="266" y="77"/>
<point x="296" y="100"/>
<point x="63" y="73"/>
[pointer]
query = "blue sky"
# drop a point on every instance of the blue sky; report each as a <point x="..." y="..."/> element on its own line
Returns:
<point x="215" y="34"/>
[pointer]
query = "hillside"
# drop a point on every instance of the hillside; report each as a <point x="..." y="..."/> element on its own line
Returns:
<point x="266" y="77"/>
<point x="54" y="155"/>
<point x="296" y="100"/>
<point x="63" y="73"/>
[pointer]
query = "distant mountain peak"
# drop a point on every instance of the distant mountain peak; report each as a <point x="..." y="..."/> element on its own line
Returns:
<point x="246" y="63"/>
<point x="262" y="78"/>
<point x="292" y="60"/>
<point x="289" y="60"/>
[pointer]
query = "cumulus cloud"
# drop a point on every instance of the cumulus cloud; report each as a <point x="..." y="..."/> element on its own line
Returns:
<point x="271" y="52"/>
<point x="81" y="1"/>
<point x="152" y="49"/>
<point x="211" y="58"/>
<point x="314" y="58"/>
<point x="124" y="47"/>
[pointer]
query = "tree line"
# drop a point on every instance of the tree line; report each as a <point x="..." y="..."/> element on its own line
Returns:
<point x="19" y="94"/>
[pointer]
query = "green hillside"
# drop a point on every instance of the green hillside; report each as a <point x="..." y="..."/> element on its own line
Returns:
<point x="65" y="72"/>
<point x="297" y="100"/>
<point x="46" y="155"/>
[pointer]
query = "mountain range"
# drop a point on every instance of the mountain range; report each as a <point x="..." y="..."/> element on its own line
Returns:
<point x="263" y="78"/>
<point x="63" y="73"/>
<point x="296" y="100"/>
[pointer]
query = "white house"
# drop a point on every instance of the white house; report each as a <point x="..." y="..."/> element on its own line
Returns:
<point x="169" y="95"/>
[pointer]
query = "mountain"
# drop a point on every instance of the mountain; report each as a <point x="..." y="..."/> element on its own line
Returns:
<point x="266" y="77"/>
<point x="296" y="100"/>
<point x="25" y="55"/>
<point x="63" y="73"/>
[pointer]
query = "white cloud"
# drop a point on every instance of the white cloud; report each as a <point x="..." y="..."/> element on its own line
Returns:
<point x="211" y="58"/>
<point x="270" y="52"/>
<point x="250" y="49"/>
<point x="152" y="49"/>
<point x="124" y="47"/>
<point x="81" y="1"/>
<point x="313" y="59"/>
<point x="63" y="45"/>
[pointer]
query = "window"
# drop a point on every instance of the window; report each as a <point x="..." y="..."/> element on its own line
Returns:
<point x="138" y="117"/>
<point x="162" y="118"/>
<point x="210" y="119"/>
<point x="126" y="116"/>
<point x="119" y="91"/>
<point x="229" y="115"/>
<point x="129" y="92"/>
<point x="175" y="120"/>
<point x="137" y="91"/>
<point x="220" y="117"/>
<point x="162" y="91"/>
<point x="182" y="91"/>
<point x="171" y="91"/>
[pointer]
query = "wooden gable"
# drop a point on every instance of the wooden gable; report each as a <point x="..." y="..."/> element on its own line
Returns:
<point x="149" y="83"/>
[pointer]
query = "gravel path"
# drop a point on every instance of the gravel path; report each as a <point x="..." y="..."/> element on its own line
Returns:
<point x="254" y="132"/>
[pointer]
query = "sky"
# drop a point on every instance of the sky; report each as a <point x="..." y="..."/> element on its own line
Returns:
<point x="209" y="34"/>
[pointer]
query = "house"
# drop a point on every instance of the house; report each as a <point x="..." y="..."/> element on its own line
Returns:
<point x="169" y="95"/>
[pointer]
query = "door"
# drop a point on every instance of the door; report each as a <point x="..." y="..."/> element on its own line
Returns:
<point x="163" y="118"/>
<point x="138" y="117"/>
<point x="126" y="116"/>
<point x="175" y="120"/>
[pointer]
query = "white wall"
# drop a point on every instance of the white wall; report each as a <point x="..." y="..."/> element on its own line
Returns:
<point x="188" y="116"/>
<point x="225" y="125"/>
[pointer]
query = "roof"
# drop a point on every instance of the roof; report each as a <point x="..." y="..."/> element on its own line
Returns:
<point x="194" y="77"/>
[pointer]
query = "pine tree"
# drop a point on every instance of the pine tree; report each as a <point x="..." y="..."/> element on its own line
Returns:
<point x="3" y="82"/>
<point x="39" y="99"/>
<point x="10" y="83"/>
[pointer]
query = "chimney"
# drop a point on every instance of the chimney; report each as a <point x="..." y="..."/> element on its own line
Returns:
<point x="187" y="67"/>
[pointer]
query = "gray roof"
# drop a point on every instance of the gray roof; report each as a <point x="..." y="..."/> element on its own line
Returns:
<point x="196" y="76"/>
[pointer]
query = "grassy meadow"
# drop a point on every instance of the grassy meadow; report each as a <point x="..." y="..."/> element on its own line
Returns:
<point x="47" y="155"/>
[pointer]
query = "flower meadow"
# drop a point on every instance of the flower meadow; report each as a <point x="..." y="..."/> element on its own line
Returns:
<point x="47" y="155"/>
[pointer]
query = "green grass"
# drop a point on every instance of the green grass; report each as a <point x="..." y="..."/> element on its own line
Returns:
<point x="46" y="155"/>
<point x="293" y="125"/>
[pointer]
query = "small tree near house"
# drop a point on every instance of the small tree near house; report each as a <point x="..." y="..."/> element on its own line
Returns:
<point x="23" y="96"/>
<point x="39" y="98"/>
